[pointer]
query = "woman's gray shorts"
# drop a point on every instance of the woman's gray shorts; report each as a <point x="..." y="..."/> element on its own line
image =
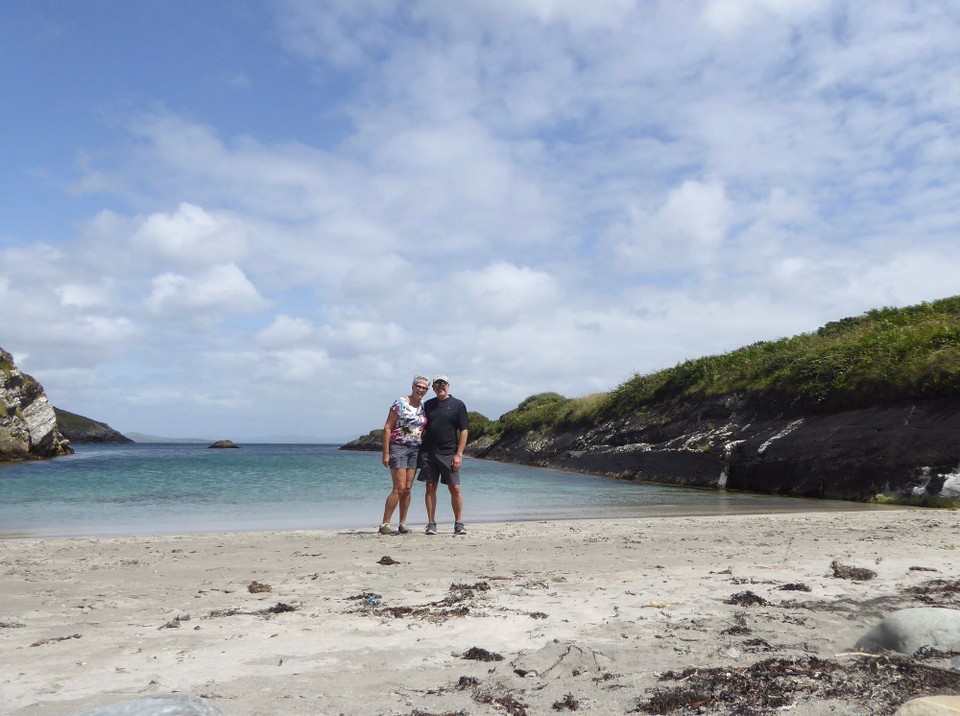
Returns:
<point x="404" y="457"/>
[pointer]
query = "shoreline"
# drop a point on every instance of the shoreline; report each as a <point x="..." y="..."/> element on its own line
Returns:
<point x="751" y="504"/>
<point x="585" y="611"/>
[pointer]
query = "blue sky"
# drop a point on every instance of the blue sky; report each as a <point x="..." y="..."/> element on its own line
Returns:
<point x="252" y="219"/>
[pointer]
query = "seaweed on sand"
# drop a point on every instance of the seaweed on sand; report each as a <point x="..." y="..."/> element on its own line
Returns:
<point x="880" y="683"/>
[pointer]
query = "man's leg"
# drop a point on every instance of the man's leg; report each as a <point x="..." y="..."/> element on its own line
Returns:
<point x="456" y="502"/>
<point x="430" y="501"/>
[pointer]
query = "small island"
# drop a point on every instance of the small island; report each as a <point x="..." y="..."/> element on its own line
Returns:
<point x="224" y="444"/>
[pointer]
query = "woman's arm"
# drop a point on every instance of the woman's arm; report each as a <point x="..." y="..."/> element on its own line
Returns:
<point x="387" y="429"/>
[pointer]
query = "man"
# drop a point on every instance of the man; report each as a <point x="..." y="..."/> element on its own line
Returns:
<point x="441" y="452"/>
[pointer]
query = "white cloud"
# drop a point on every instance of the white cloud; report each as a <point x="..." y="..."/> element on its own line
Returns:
<point x="192" y="236"/>
<point x="82" y="296"/>
<point x="683" y="233"/>
<point x="296" y="366"/>
<point x="285" y="331"/>
<point x="222" y="288"/>
<point x="347" y="338"/>
<point x="730" y="16"/>
<point x="501" y="293"/>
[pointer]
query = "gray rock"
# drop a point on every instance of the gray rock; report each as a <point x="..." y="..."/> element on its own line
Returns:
<point x="159" y="705"/>
<point x="908" y="630"/>
<point x="931" y="706"/>
<point x="28" y="423"/>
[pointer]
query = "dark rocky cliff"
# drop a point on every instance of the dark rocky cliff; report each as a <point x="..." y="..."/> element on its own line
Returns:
<point x="907" y="452"/>
<point x="79" y="429"/>
<point x="28" y="424"/>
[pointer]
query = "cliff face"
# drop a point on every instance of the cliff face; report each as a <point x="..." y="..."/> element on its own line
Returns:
<point x="906" y="453"/>
<point x="28" y="424"/>
<point x="79" y="429"/>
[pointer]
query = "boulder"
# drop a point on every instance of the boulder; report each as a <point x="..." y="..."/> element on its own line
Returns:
<point x="28" y="423"/>
<point x="909" y="630"/>
<point x="931" y="706"/>
<point x="159" y="705"/>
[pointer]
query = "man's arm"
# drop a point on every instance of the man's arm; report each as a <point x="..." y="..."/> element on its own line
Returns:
<point x="462" y="442"/>
<point x="464" y="430"/>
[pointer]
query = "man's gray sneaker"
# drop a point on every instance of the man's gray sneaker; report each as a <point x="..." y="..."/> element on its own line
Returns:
<point x="385" y="530"/>
<point x="431" y="528"/>
<point x="459" y="529"/>
<point x="403" y="529"/>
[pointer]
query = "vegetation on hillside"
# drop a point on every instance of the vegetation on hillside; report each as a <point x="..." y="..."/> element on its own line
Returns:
<point x="72" y="423"/>
<point x="884" y="356"/>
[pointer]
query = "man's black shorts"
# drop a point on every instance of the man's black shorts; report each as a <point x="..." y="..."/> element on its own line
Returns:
<point x="438" y="468"/>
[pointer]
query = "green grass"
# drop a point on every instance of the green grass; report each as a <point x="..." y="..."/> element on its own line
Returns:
<point x="884" y="356"/>
<point x="71" y="422"/>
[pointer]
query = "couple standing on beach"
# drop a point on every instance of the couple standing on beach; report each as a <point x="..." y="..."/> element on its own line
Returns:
<point x="431" y="435"/>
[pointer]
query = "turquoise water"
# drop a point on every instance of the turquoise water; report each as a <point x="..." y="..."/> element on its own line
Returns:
<point x="180" y="488"/>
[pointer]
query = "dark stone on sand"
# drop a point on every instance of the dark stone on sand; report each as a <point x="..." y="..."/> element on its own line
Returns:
<point x="476" y="653"/>
<point x="857" y="574"/>
<point x="746" y="599"/>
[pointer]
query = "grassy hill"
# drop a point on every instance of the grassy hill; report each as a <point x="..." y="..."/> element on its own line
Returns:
<point x="884" y="356"/>
<point x="81" y="429"/>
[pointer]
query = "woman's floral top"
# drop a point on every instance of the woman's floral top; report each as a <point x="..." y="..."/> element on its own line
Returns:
<point x="410" y="421"/>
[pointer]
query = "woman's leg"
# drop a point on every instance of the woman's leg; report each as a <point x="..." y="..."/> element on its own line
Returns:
<point x="407" y="475"/>
<point x="398" y="475"/>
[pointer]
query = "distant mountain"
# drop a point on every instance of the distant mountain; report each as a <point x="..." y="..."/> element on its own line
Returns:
<point x="144" y="438"/>
<point x="80" y="429"/>
<point x="271" y="440"/>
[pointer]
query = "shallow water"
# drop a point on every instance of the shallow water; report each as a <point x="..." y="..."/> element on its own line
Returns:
<point x="188" y="488"/>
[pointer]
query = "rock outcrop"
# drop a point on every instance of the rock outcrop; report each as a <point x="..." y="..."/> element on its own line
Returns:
<point x="903" y="453"/>
<point x="222" y="444"/>
<point x="80" y="430"/>
<point x="372" y="442"/>
<point x="28" y="423"/>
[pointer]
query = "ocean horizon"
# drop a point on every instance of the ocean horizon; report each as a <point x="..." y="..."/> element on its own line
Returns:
<point x="185" y="488"/>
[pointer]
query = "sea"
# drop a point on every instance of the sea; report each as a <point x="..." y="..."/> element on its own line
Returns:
<point x="173" y="488"/>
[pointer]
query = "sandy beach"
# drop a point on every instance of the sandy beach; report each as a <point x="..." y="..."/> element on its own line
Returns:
<point x="536" y="617"/>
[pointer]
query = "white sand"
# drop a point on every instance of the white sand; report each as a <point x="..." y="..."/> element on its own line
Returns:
<point x="592" y="609"/>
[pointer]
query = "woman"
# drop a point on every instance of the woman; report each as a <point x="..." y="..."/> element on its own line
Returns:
<point x="401" y="445"/>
